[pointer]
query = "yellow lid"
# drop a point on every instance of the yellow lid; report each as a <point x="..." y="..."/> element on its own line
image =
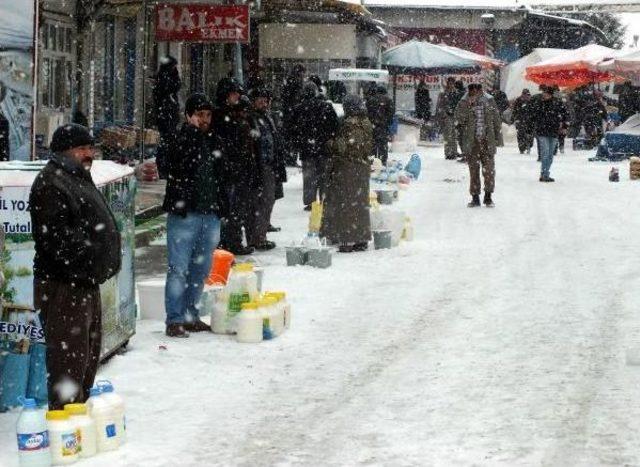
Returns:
<point x="57" y="415"/>
<point x="268" y="301"/>
<point x="281" y="295"/>
<point x="274" y="295"/>
<point x="75" y="409"/>
<point x="243" y="267"/>
<point x="250" y="306"/>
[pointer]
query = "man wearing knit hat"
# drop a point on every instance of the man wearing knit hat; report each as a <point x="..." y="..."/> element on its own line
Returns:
<point x="77" y="247"/>
<point x="195" y="201"/>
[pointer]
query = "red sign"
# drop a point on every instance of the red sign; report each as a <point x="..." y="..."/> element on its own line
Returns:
<point x="202" y="23"/>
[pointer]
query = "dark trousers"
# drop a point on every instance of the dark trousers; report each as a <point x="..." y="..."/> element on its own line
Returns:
<point x="480" y="157"/>
<point x="72" y="317"/>
<point x="313" y="179"/>
<point x="240" y="214"/>
<point x="381" y="148"/>
<point x="263" y="201"/>
<point x="525" y="138"/>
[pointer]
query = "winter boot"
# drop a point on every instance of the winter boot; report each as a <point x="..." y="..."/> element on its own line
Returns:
<point x="488" y="202"/>
<point x="176" y="330"/>
<point x="265" y="246"/>
<point x="197" y="326"/>
<point x="364" y="246"/>
<point x="547" y="179"/>
<point x="240" y="250"/>
<point x="475" y="201"/>
<point x="307" y="207"/>
<point x="273" y="228"/>
<point x="345" y="248"/>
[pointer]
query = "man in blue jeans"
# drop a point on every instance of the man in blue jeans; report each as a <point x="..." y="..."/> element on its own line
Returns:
<point x="195" y="201"/>
<point x="549" y="118"/>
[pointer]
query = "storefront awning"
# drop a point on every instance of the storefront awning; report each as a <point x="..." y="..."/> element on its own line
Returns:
<point x="353" y="6"/>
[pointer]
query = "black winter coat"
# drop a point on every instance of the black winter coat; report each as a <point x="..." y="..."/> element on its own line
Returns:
<point x="233" y="129"/>
<point x="76" y="236"/>
<point x="314" y="123"/>
<point x="262" y="123"/>
<point x="380" y="110"/>
<point x="197" y="180"/>
<point x="165" y="98"/>
<point x="547" y="116"/>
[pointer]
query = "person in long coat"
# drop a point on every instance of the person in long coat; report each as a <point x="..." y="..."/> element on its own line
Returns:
<point x="167" y="109"/>
<point x="345" y="218"/>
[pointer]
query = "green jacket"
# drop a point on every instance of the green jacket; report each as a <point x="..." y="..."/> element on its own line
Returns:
<point x="466" y="120"/>
<point x="354" y="141"/>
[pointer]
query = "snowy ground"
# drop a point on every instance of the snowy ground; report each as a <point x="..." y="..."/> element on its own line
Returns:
<point x="501" y="336"/>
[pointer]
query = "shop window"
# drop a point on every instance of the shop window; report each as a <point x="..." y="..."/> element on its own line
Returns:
<point x="57" y="64"/>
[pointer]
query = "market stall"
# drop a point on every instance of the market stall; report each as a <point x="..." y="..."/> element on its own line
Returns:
<point x="118" y="185"/>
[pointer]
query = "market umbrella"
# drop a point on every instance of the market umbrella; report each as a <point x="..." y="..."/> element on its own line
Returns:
<point x="625" y="66"/>
<point x="573" y="68"/>
<point x="424" y="57"/>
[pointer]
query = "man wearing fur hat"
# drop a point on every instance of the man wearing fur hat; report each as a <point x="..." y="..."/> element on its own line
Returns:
<point x="77" y="247"/>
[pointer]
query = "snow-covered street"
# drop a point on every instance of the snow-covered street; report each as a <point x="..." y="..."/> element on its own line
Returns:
<point x="506" y="336"/>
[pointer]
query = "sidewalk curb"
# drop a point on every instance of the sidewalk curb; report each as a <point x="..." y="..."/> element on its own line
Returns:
<point x="144" y="233"/>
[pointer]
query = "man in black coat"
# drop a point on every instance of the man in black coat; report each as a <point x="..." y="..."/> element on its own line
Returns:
<point x="315" y="124"/>
<point x="167" y="108"/>
<point x="422" y="100"/>
<point x="231" y="125"/>
<point x="196" y="201"/>
<point x="548" y="118"/>
<point x="522" y="119"/>
<point x="77" y="247"/>
<point x="271" y="172"/>
<point x="380" y="110"/>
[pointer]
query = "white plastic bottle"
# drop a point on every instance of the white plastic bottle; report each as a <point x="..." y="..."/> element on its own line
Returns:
<point x="276" y="315"/>
<point x="33" y="436"/>
<point x="106" y="422"/>
<point x="63" y="438"/>
<point x="286" y="308"/>
<point x="88" y="439"/>
<point x="249" y="324"/>
<point x="117" y="403"/>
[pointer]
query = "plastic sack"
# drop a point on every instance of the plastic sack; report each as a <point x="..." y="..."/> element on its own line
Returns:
<point x="414" y="166"/>
<point x="37" y="386"/>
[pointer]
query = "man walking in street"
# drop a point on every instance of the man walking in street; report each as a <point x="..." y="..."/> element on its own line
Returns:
<point x="481" y="129"/>
<point x="445" y="114"/>
<point x="549" y="117"/>
<point x="77" y="247"/>
<point x="195" y="200"/>
<point x="522" y="120"/>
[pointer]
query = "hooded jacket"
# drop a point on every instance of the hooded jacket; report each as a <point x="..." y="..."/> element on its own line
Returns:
<point x="76" y="236"/>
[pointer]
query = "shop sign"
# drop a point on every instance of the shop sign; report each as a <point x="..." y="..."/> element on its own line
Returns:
<point x="202" y="23"/>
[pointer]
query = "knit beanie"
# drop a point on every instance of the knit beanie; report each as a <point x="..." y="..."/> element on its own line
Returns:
<point x="70" y="136"/>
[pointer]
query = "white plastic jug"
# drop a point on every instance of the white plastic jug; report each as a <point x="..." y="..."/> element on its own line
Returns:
<point x="241" y="288"/>
<point x="63" y="438"/>
<point x="276" y="314"/>
<point x="85" y="427"/>
<point x="249" y="324"/>
<point x="33" y="436"/>
<point x="117" y="403"/>
<point x="284" y="306"/>
<point x="106" y="421"/>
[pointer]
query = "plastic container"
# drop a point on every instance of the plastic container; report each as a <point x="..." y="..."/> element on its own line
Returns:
<point x="88" y="438"/>
<point x="267" y="329"/>
<point x="220" y="267"/>
<point x="249" y="324"/>
<point x="117" y="403"/>
<point x="33" y="436"/>
<point x="275" y="313"/>
<point x="218" y="308"/>
<point x="106" y="421"/>
<point x="407" y="232"/>
<point x="63" y="438"/>
<point x="151" y="297"/>
<point x="382" y="239"/>
<point x="241" y="288"/>
<point x="280" y="303"/>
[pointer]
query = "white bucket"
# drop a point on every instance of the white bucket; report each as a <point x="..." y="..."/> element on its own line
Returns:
<point x="151" y="296"/>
